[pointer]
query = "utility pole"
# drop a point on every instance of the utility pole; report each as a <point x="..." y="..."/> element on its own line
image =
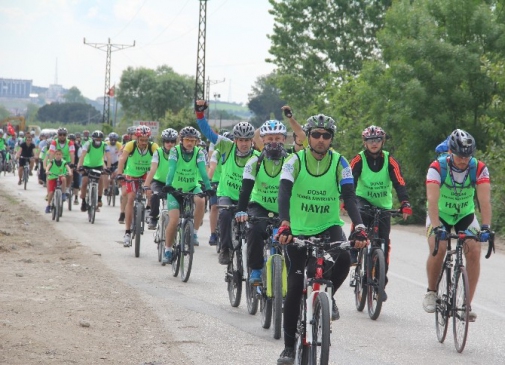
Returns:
<point x="200" y="53"/>
<point x="207" y="91"/>
<point x="108" y="48"/>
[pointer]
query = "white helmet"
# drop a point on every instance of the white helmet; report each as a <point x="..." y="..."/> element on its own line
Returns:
<point x="243" y="130"/>
<point x="273" y="127"/>
<point x="169" y="134"/>
<point x="1" y="131"/>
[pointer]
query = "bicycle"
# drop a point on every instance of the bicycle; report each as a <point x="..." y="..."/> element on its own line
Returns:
<point x="26" y="170"/>
<point x="314" y="322"/>
<point x="111" y="193"/>
<point x="139" y="212"/>
<point x="274" y="277"/>
<point x="183" y="250"/>
<point x="57" y="203"/>
<point x="92" y="192"/>
<point x="452" y="290"/>
<point x="159" y="234"/>
<point x="369" y="277"/>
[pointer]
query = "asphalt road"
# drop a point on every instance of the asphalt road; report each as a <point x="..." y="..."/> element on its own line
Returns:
<point x="210" y="331"/>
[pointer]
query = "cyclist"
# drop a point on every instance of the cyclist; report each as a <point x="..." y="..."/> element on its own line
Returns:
<point x="55" y="168"/>
<point x="26" y="152"/>
<point x="261" y="185"/>
<point x="67" y="147"/>
<point x="215" y="166"/>
<point x="186" y="164"/>
<point x="76" y="177"/>
<point x="451" y="205"/>
<point x="311" y="183"/>
<point x="130" y="136"/>
<point x="157" y="177"/>
<point x="235" y="155"/>
<point x="375" y="173"/>
<point x="85" y="137"/>
<point x="139" y="154"/>
<point x="114" y="151"/>
<point x="93" y="156"/>
<point x="3" y="148"/>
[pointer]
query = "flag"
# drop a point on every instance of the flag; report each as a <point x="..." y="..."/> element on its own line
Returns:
<point x="10" y="130"/>
<point x="112" y="91"/>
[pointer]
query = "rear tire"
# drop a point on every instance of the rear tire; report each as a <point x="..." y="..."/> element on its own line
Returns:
<point x="360" y="282"/>
<point x="187" y="250"/>
<point x="442" y="309"/>
<point x="320" y="327"/>
<point x="375" y="291"/>
<point x="176" y="253"/>
<point x="302" y="351"/>
<point x="461" y="309"/>
<point x="277" y="292"/>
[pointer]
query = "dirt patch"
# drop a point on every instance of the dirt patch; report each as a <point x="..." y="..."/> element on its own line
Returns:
<point x="59" y="304"/>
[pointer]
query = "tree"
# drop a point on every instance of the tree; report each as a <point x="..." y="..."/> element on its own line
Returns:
<point x="185" y="117"/>
<point x="69" y="113"/>
<point x="31" y="113"/>
<point x="265" y="100"/>
<point x="74" y="95"/>
<point x="314" y="40"/>
<point x="148" y="94"/>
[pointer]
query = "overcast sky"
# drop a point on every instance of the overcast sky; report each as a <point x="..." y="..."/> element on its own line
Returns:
<point x="36" y="33"/>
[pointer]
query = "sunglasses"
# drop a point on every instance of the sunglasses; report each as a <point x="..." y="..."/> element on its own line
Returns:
<point x="190" y="139"/>
<point x="317" y="135"/>
<point x="374" y="140"/>
<point x="62" y="134"/>
<point x="169" y="140"/>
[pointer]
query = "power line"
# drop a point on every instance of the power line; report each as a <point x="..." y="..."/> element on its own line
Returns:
<point x="169" y="24"/>
<point x="137" y="13"/>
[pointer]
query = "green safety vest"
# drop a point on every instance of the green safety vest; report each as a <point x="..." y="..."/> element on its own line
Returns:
<point x="314" y="204"/>
<point x="94" y="156"/>
<point x="218" y="169"/>
<point x="266" y="185"/>
<point x="456" y="200"/>
<point x="162" y="170"/>
<point x="2" y="144"/>
<point x="376" y="187"/>
<point x="56" y="170"/>
<point x="138" y="164"/>
<point x="186" y="172"/>
<point x="65" y="150"/>
<point x="231" y="175"/>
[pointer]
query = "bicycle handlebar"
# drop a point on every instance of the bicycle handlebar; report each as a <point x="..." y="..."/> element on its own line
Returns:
<point x="320" y="242"/>
<point x="370" y="210"/>
<point x="463" y="236"/>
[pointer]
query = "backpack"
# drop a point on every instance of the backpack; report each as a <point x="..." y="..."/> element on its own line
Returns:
<point x="443" y="169"/>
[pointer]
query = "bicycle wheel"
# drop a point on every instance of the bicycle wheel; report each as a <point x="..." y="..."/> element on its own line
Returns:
<point x="25" y="177"/>
<point x="251" y="295"/>
<point x="442" y="310"/>
<point x="57" y="204"/>
<point x="375" y="291"/>
<point x="461" y="308"/>
<point x="70" y="199"/>
<point x="176" y="253"/>
<point x="320" y="346"/>
<point x="187" y="250"/>
<point x="277" y="291"/>
<point x="92" y="207"/>
<point x="234" y="278"/>
<point x="360" y="281"/>
<point x="109" y="197"/>
<point x="138" y="226"/>
<point x="53" y="210"/>
<point x="112" y="192"/>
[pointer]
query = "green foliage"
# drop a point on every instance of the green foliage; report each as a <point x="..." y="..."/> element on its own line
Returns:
<point x="265" y="100"/>
<point x="4" y="113"/>
<point x="69" y="113"/>
<point x="313" y="40"/>
<point x="148" y="94"/>
<point x="31" y="113"/>
<point x="185" y="117"/>
<point x="74" y="95"/>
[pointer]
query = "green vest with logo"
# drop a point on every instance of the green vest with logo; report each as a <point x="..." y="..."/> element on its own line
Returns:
<point x="456" y="200"/>
<point x="266" y="185"/>
<point x="231" y="175"/>
<point x="218" y="169"/>
<point x="162" y="170"/>
<point x="376" y="187"/>
<point x="314" y="204"/>
<point x="65" y="150"/>
<point x="138" y="164"/>
<point x="186" y="172"/>
<point x="56" y="170"/>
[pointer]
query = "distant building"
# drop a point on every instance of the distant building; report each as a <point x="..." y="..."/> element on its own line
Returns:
<point x="15" y="88"/>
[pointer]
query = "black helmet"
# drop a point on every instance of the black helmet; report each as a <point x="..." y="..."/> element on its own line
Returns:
<point x="71" y="137"/>
<point x="97" y="134"/>
<point x="461" y="143"/>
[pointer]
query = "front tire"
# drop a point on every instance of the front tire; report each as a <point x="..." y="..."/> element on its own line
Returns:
<point x="138" y="226"/>
<point x="320" y="346"/>
<point x="187" y="250"/>
<point x="278" y="298"/>
<point x="234" y="276"/>
<point x="461" y="309"/>
<point x="376" y="283"/>
<point x="176" y="254"/>
<point x="442" y="309"/>
<point x="251" y="296"/>
<point x="57" y="204"/>
<point x="360" y="282"/>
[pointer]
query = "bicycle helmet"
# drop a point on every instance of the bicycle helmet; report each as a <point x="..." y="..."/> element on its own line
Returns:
<point x="143" y="131"/>
<point x="21" y="134"/>
<point x="61" y="130"/>
<point x="169" y="134"/>
<point x="113" y="136"/>
<point x="462" y="143"/>
<point x="243" y="130"/>
<point x="188" y="132"/>
<point x="71" y="137"/>
<point x="85" y="133"/>
<point x="273" y="127"/>
<point x="77" y="135"/>
<point x="125" y="138"/>
<point x="97" y="134"/>
<point x="229" y="135"/>
<point x="131" y="130"/>
<point x="373" y="132"/>
<point x="321" y="121"/>
<point x="1" y="131"/>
